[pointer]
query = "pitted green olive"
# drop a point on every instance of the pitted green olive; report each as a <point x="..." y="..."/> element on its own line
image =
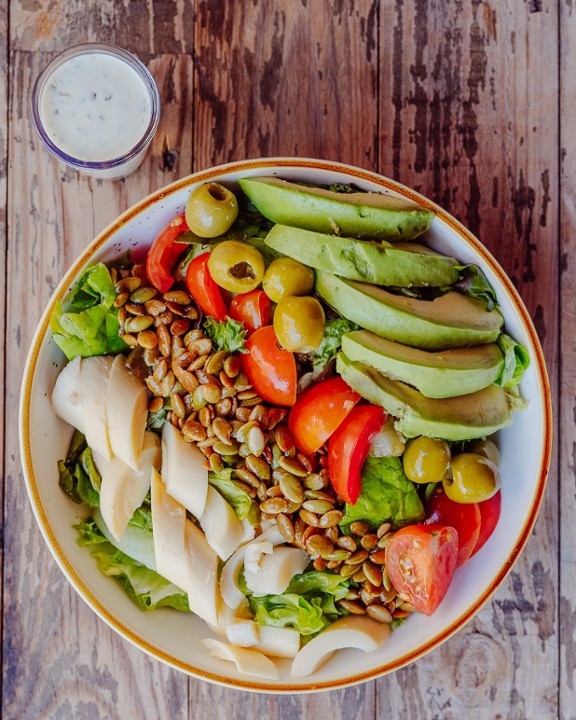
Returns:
<point x="473" y="478"/>
<point x="211" y="210"/>
<point x="426" y="460"/>
<point x="285" y="277"/>
<point x="236" y="266"/>
<point x="299" y="323"/>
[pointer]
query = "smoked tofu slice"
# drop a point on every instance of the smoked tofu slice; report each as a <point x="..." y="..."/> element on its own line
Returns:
<point x="66" y="396"/>
<point x="93" y="381"/>
<point x="183" y="470"/>
<point x="169" y="530"/>
<point x="224" y="531"/>
<point x="126" y="411"/>
<point x="202" y="575"/>
<point x="123" y="490"/>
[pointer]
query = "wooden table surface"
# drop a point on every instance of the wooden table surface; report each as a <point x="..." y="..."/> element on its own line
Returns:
<point x="471" y="103"/>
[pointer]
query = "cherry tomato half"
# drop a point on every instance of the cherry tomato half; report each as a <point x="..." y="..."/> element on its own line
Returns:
<point x="164" y="253"/>
<point x="420" y="561"/>
<point x="348" y="449"/>
<point x="270" y="369"/>
<point x="203" y="288"/>
<point x="489" y="516"/>
<point x="466" y="519"/>
<point x="318" y="412"/>
<point x="252" y="309"/>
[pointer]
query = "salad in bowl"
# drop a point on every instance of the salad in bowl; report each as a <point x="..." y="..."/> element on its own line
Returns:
<point x="286" y="400"/>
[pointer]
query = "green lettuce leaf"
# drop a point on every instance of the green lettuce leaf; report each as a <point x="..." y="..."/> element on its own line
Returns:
<point x="473" y="282"/>
<point x="89" y="323"/>
<point x="386" y="496"/>
<point x="229" y="335"/>
<point x="244" y="505"/>
<point x="144" y="586"/>
<point x="308" y="605"/>
<point x="331" y="341"/>
<point x="516" y="361"/>
<point x="78" y="476"/>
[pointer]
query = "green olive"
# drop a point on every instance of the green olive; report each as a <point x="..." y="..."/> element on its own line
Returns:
<point x="211" y="210"/>
<point x="488" y="448"/>
<point x="299" y="323"/>
<point x="473" y="479"/>
<point x="285" y="277"/>
<point x="426" y="460"/>
<point x="236" y="266"/>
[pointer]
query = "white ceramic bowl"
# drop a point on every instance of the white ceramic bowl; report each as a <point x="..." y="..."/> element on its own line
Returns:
<point x="175" y="638"/>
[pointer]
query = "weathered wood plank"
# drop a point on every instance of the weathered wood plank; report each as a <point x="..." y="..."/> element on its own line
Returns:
<point x="467" y="93"/>
<point x="288" y="78"/>
<point x="59" y="660"/>
<point x="566" y="406"/>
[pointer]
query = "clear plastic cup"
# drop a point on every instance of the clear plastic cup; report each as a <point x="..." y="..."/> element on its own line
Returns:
<point x="96" y="108"/>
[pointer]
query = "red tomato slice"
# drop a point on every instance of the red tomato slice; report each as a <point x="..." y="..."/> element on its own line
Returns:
<point x="318" y="412"/>
<point x="420" y="560"/>
<point x="253" y="309"/>
<point x="164" y="253"/>
<point x="489" y="516"/>
<point x="465" y="518"/>
<point x="348" y="449"/>
<point x="270" y="369"/>
<point x="204" y="290"/>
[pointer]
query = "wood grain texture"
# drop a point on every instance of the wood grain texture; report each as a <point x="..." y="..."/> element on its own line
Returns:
<point x="469" y="102"/>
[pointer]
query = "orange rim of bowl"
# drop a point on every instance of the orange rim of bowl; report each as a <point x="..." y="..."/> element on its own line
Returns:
<point x="50" y="536"/>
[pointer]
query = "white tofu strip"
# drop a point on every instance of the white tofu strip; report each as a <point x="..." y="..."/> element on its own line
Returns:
<point x="223" y="530"/>
<point x="169" y="526"/>
<point x="66" y="396"/>
<point x="94" y="378"/>
<point x="352" y="631"/>
<point x="202" y="575"/>
<point x="247" y="661"/>
<point x="126" y="412"/>
<point x="272" y="573"/>
<point x="183" y="470"/>
<point x="123" y="490"/>
<point x="274" y="641"/>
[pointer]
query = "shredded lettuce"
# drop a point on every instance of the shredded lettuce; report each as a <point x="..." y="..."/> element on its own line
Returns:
<point x="516" y="361"/>
<point x="473" y="282"/>
<point x="229" y="335"/>
<point x="331" y="341"/>
<point x="78" y="476"/>
<point x="308" y="605"/>
<point x="89" y="324"/>
<point x="145" y="587"/>
<point x="386" y="496"/>
<point x="244" y="505"/>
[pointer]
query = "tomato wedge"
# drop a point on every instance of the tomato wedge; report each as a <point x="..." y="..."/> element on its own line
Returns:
<point x="203" y="288"/>
<point x="270" y="369"/>
<point x="348" y="448"/>
<point x="465" y="518"/>
<point x="318" y="412"/>
<point x="252" y="309"/>
<point x="489" y="516"/>
<point x="164" y="253"/>
<point x="420" y="561"/>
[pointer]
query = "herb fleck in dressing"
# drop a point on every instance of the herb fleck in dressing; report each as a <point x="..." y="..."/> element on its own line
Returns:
<point x="95" y="107"/>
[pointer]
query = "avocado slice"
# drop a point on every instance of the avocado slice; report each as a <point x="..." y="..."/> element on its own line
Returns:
<point x="379" y="263"/>
<point x="436" y="374"/>
<point x="353" y="214"/>
<point x="451" y="320"/>
<point x="465" y="417"/>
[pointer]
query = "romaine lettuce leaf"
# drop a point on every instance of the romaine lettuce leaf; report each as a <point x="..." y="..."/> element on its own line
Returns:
<point x="78" y="476"/>
<point x="229" y="335"/>
<point x="386" y="496"/>
<point x="89" y="324"/>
